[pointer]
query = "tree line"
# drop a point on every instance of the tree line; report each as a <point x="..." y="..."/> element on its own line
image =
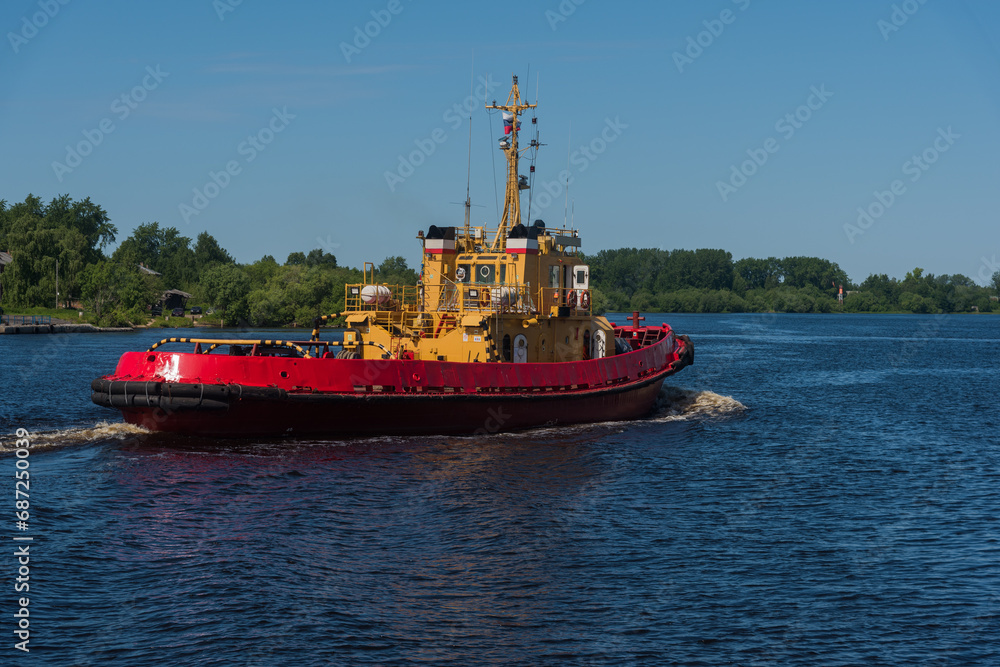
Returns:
<point x="710" y="281"/>
<point x="112" y="287"/>
<point x="110" y="284"/>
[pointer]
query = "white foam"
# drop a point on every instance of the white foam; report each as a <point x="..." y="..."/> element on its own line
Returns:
<point x="75" y="436"/>
<point x="678" y="404"/>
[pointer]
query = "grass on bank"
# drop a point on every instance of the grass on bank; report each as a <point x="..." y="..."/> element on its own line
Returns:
<point x="73" y="316"/>
<point x="68" y="314"/>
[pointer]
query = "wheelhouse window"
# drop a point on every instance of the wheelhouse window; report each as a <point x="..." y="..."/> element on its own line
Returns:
<point x="486" y="273"/>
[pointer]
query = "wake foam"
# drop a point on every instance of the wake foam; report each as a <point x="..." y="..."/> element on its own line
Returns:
<point x="672" y="404"/>
<point x="677" y="404"/>
<point x="75" y="436"/>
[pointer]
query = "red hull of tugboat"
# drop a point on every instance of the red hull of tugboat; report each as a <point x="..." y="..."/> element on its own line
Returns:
<point x="231" y="396"/>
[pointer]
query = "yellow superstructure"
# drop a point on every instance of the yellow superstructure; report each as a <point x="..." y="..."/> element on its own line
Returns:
<point x="519" y="293"/>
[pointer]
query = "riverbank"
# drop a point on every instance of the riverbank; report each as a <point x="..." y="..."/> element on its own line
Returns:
<point x="59" y="329"/>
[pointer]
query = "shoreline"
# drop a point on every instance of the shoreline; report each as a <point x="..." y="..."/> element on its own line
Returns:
<point x="28" y="329"/>
<point x="39" y="329"/>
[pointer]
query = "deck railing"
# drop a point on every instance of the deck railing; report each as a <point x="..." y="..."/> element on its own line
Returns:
<point x="431" y="311"/>
<point x="25" y="320"/>
<point x="464" y="298"/>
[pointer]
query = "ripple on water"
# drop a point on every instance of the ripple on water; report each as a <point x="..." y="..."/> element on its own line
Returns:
<point x="829" y="516"/>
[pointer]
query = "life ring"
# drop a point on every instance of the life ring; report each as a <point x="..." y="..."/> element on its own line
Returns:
<point x="441" y="324"/>
<point x="571" y="298"/>
<point x="584" y="300"/>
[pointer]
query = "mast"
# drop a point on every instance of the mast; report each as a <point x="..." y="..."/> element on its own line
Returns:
<point x="468" y="176"/>
<point x="509" y="145"/>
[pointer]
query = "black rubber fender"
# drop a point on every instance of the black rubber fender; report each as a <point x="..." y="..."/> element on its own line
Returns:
<point x="688" y="354"/>
<point x="167" y="403"/>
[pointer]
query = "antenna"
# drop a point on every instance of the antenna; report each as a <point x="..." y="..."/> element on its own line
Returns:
<point x="569" y="144"/>
<point x="535" y="143"/>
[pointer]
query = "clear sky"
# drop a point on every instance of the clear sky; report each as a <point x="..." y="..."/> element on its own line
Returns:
<point x="654" y="107"/>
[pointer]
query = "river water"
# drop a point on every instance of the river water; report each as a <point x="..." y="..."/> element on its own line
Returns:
<point x="815" y="490"/>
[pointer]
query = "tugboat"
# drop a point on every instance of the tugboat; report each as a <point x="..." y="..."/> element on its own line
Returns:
<point x="497" y="335"/>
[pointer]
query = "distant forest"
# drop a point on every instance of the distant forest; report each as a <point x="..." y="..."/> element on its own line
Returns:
<point x="709" y="281"/>
<point x="114" y="291"/>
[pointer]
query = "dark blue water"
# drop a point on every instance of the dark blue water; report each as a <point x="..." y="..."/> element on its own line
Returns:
<point x="849" y="515"/>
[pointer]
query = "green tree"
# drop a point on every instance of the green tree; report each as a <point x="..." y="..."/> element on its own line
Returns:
<point x="915" y="303"/>
<point x="87" y="218"/>
<point x="162" y="249"/>
<point x="261" y="271"/>
<point x="226" y="287"/>
<point x="117" y="293"/>
<point x="317" y="257"/>
<point x="759" y="273"/>
<point x="38" y="236"/>
<point x="142" y="246"/>
<point x="207" y="252"/>
<point x="820" y="273"/>
<point x="393" y="270"/>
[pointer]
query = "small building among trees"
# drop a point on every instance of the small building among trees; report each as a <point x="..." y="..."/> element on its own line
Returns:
<point x="173" y="298"/>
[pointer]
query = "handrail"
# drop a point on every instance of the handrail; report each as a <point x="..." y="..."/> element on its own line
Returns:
<point x="25" y="320"/>
<point x="216" y="342"/>
<point x="447" y="296"/>
<point x="421" y="309"/>
<point x="299" y="346"/>
<point x="318" y="322"/>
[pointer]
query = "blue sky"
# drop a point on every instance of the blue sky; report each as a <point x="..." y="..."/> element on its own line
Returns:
<point x="683" y="108"/>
